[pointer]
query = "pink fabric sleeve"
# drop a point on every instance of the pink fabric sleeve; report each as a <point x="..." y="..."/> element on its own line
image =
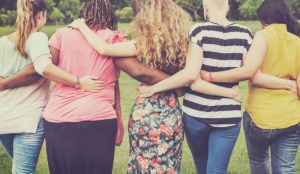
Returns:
<point x="119" y="37"/>
<point x="55" y="40"/>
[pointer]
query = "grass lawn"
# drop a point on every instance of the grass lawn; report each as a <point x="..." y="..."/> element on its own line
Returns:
<point x="239" y="161"/>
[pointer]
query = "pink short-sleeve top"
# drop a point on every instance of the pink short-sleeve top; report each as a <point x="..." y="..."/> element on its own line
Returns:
<point x="77" y="57"/>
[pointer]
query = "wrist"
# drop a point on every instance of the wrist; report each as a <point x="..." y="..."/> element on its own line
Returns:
<point x="3" y="85"/>
<point x="77" y="83"/>
<point x="231" y="93"/>
<point x="154" y="89"/>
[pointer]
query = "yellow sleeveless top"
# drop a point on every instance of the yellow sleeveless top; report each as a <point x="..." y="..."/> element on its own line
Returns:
<point x="276" y="109"/>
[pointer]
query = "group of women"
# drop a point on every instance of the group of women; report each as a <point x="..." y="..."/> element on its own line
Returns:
<point x="82" y="122"/>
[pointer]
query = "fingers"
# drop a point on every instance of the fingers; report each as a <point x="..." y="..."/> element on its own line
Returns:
<point x="138" y="88"/>
<point x="93" y="77"/>
<point x="99" y="83"/>
<point x="94" y="91"/>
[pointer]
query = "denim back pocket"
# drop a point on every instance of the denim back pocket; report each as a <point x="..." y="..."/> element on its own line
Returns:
<point x="257" y="133"/>
<point x="298" y="128"/>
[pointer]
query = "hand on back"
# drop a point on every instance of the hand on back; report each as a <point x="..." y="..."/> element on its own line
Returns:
<point x="91" y="83"/>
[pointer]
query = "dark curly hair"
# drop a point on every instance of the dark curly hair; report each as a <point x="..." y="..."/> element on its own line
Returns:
<point x="99" y="14"/>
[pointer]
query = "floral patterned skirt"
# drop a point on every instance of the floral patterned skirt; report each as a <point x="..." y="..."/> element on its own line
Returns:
<point x="155" y="135"/>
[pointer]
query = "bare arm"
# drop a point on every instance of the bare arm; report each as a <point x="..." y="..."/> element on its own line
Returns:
<point x="139" y="71"/>
<point x="52" y="72"/>
<point x="25" y="77"/>
<point x="271" y="82"/>
<point x="211" y="89"/>
<point x="182" y="78"/>
<point x="143" y="73"/>
<point x="253" y="62"/>
<point x="122" y="49"/>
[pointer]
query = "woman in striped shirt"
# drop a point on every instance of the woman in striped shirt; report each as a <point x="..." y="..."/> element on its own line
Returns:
<point x="212" y="120"/>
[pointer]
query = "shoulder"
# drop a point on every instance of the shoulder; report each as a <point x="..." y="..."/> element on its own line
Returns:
<point x="198" y="27"/>
<point x="116" y="36"/>
<point x="242" y="29"/>
<point x="3" y="40"/>
<point x="37" y="36"/>
<point x="260" y="37"/>
<point x="295" y="39"/>
<point x="36" y="40"/>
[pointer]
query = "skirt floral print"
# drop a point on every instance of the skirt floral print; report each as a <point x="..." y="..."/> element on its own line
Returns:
<point x="155" y="135"/>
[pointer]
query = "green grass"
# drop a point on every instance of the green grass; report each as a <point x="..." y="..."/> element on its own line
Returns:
<point x="239" y="161"/>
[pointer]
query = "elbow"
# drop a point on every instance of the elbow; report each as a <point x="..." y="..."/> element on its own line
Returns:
<point x="247" y="74"/>
<point x="137" y="73"/>
<point x="191" y="77"/>
<point x="196" y="85"/>
<point x="103" y="50"/>
<point x="46" y="72"/>
<point x="255" y="80"/>
<point x="193" y="86"/>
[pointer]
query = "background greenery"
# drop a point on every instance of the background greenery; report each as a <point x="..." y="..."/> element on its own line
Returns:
<point x="239" y="161"/>
<point x="65" y="11"/>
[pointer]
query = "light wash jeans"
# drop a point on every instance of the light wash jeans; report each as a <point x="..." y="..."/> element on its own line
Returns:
<point x="283" y="143"/>
<point x="211" y="147"/>
<point x="24" y="149"/>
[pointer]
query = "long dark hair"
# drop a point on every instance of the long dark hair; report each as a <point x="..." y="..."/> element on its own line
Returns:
<point x="26" y="22"/>
<point x="99" y="14"/>
<point x="278" y="11"/>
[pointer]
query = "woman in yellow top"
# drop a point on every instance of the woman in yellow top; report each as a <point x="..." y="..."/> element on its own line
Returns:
<point x="272" y="117"/>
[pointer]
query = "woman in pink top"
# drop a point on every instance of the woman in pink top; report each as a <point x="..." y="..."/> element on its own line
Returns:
<point x="81" y="126"/>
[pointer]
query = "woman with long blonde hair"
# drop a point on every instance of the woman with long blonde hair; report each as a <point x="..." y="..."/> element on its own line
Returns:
<point x="155" y="123"/>
<point x="22" y="53"/>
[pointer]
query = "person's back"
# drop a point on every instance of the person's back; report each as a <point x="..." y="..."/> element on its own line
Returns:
<point x="275" y="109"/>
<point x="81" y="127"/>
<point x="223" y="49"/>
<point x="68" y="104"/>
<point x="24" y="105"/>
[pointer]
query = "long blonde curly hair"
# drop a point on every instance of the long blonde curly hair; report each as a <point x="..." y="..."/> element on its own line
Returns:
<point x="162" y="35"/>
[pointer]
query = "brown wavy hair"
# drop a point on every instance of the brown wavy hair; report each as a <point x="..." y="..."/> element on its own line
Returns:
<point x="162" y="35"/>
<point x="26" y="22"/>
<point x="99" y="14"/>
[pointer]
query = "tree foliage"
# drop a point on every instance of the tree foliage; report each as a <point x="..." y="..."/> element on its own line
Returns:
<point x="125" y="15"/>
<point x="248" y="9"/>
<point x="295" y="6"/>
<point x="70" y="8"/>
<point x="239" y="9"/>
<point x="56" y="15"/>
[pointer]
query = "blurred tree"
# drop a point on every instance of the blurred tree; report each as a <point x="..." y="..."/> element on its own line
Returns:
<point x="70" y="8"/>
<point x="56" y="15"/>
<point x="295" y="7"/>
<point x="125" y="15"/>
<point x="3" y="19"/>
<point x="119" y="4"/>
<point x="193" y="7"/>
<point x="248" y="8"/>
<point x="137" y="5"/>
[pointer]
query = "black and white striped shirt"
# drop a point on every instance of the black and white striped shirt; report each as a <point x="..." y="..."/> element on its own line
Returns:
<point x="223" y="49"/>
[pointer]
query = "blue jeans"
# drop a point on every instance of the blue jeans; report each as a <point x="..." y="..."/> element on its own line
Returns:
<point x="211" y="147"/>
<point x="283" y="143"/>
<point x="24" y="149"/>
